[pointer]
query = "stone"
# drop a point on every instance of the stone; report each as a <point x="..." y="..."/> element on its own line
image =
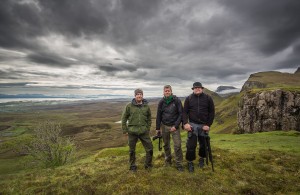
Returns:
<point x="269" y="111"/>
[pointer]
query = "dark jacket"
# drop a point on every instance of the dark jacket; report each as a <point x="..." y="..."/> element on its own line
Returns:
<point x="138" y="117"/>
<point x="170" y="114"/>
<point x="198" y="109"/>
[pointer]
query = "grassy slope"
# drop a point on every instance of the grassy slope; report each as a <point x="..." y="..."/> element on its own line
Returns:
<point x="226" y="115"/>
<point x="274" y="79"/>
<point x="263" y="163"/>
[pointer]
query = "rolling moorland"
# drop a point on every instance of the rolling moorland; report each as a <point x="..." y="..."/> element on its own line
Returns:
<point x="260" y="163"/>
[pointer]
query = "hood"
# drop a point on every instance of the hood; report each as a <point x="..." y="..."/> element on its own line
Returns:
<point x="144" y="102"/>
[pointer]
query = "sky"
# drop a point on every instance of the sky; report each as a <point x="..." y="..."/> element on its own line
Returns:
<point x="91" y="47"/>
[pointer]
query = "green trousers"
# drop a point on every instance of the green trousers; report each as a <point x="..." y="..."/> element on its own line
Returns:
<point x="166" y="134"/>
<point x="147" y="143"/>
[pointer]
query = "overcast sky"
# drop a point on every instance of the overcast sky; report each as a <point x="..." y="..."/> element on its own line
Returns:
<point x="115" y="46"/>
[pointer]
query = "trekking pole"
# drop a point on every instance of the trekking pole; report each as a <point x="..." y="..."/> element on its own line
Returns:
<point x="205" y="148"/>
<point x="209" y="152"/>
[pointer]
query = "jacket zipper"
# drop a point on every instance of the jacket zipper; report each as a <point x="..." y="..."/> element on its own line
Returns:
<point x="198" y="105"/>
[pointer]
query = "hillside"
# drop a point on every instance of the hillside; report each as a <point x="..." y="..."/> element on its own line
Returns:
<point x="265" y="163"/>
<point x="226" y="115"/>
<point x="272" y="79"/>
<point x="244" y="164"/>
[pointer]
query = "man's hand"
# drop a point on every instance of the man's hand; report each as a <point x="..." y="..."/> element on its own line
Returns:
<point x="158" y="131"/>
<point x="205" y="128"/>
<point x="188" y="127"/>
<point x="173" y="129"/>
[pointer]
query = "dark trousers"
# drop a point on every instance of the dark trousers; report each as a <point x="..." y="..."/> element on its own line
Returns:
<point x="147" y="143"/>
<point x="166" y="134"/>
<point x="191" y="145"/>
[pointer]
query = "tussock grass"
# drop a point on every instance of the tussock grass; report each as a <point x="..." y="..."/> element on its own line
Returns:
<point x="242" y="166"/>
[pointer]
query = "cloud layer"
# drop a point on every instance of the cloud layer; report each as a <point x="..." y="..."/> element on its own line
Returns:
<point x="115" y="44"/>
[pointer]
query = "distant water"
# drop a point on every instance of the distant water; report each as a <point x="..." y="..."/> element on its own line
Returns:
<point x="7" y="100"/>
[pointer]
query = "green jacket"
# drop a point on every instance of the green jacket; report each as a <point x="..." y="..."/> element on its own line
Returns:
<point x="138" y="117"/>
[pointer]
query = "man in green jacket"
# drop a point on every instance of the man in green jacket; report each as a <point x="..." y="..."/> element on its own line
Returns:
<point x="136" y="123"/>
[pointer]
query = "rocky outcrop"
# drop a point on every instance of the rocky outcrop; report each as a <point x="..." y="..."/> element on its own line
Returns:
<point x="253" y="84"/>
<point x="268" y="111"/>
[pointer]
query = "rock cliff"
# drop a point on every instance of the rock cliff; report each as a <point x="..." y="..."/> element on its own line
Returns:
<point x="253" y="84"/>
<point x="268" y="111"/>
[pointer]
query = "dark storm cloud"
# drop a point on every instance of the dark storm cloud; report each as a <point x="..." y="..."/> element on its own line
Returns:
<point x="109" y="68"/>
<point x="22" y="21"/>
<point x="50" y="59"/>
<point x="292" y="60"/>
<point x="23" y="74"/>
<point x="276" y="24"/>
<point x="118" y="67"/>
<point x="18" y="24"/>
<point x="75" y="17"/>
<point x="113" y="22"/>
<point x="128" y="19"/>
<point x="7" y="75"/>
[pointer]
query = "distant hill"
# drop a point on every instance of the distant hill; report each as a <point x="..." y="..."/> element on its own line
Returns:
<point x="225" y="91"/>
<point x="224" y="88"/>
<point x="272" y="79"/>
<point x="216" y="97"/>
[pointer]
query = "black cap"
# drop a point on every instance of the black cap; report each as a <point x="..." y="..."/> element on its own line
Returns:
<point x="197" y="84"/>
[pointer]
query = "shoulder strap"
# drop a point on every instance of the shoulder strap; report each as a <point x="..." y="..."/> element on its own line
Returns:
<point x="190" y="97"/>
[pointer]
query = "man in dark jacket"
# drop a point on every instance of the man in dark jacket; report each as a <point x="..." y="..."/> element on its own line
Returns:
<point x="198" y="116"/>
<point x="138" y="115"/>
<point x="168" y="118"/>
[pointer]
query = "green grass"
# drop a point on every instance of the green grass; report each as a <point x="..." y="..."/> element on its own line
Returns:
<point x="262" y="163"/>
<point x="276" y="79"/>
<point x="287" y="142"/>
<point x="226" y="115"/>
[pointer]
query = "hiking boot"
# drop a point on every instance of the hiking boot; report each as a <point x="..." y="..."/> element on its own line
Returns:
<point x="133" y="168"/>
<point x="180" y="168"/>
<point x="148" y="167"/>
<point x="201" y="163"/>
<point x="168" y="163"/>
<point x="191" y="166"/>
